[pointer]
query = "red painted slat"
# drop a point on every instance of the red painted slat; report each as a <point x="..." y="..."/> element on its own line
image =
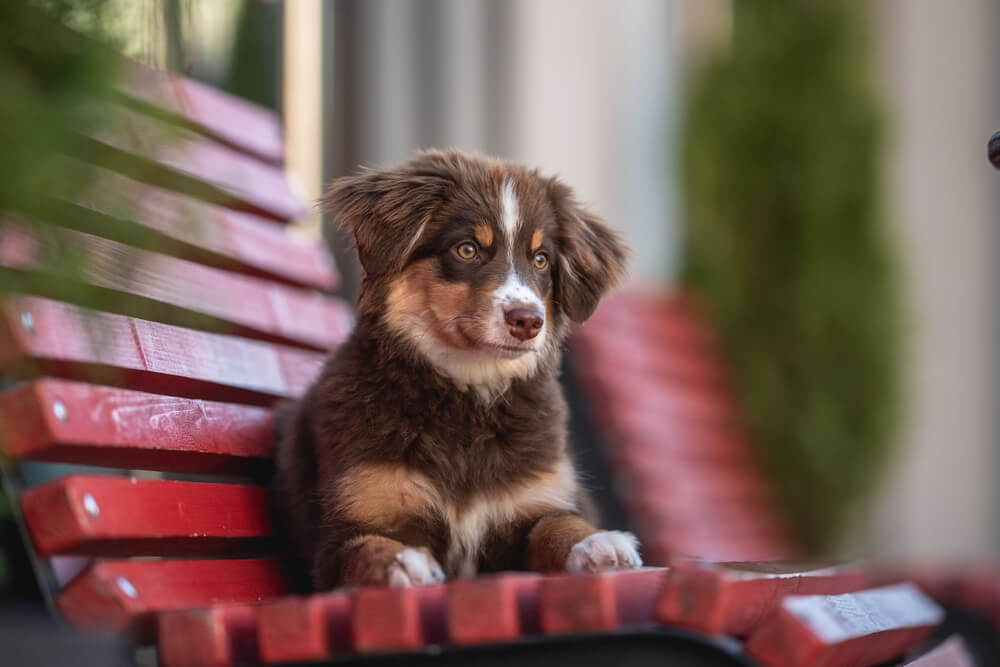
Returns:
<point x="120" y="516"/>
<point x="172" y="157"/>
<point x="865" y="628"/>
<point x="74" y="422"/>
<point x="158" y="219"/>
<point x="951" y="653"/>
<point x="577" y="603"/>
<point x="386" y="619"/>
<point x="303" y="629"/>
<point x="124" y="596"/>
<point x="171" y="288"/>
<point x="483" y="610"/>
<point x="66" y="340"/>
<point x="735" y="598"/>
<point x="212" y="637"/>
<point x="226" y="118"/>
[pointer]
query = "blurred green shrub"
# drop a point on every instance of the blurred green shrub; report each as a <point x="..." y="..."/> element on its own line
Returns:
<point x="789" y="254"/>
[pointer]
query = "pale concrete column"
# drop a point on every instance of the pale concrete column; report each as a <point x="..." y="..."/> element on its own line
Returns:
<point x="938" y="71"/>
<point x="302" y="103"/>
<point x="590" y="88"/>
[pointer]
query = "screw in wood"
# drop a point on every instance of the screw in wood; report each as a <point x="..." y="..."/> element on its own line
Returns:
<point x="90" y="504"/>
<point x="28" y="322"/>
<point x="126" y="587"/>
<point x="59" y="410"/>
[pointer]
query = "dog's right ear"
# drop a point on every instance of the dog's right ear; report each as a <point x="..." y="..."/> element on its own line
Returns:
<point x="387" y="210"/>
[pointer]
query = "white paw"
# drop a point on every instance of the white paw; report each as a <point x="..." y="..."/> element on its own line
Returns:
<point x="414" y="567"/>
<point x="607" y="550"/>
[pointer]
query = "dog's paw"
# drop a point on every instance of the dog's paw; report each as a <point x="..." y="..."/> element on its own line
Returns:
<point x="414" y="567"/>
<point x="606" y="550"/>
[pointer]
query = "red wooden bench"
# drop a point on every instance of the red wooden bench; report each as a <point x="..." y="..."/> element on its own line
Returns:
<point x="209" y="314"/>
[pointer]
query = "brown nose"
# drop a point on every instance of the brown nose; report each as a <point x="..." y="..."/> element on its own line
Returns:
<point x="523" y="323"/>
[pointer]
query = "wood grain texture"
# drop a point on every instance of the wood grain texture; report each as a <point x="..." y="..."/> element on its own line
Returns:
<point x="176" y="291"/>
<point x="116" y="206"/>
<point x="735" y="598"/>
<point x="122" y="516"/>
<point x="110" y="427"/>
<point x="297" y="629"/>
<point x="864" y="628"/>
<point x="79" y="343"/>
<point x="125" y="596"/>
<point x="226" y="118"/>
<point x="211" y="637"/>
<point x="172" y="157"/>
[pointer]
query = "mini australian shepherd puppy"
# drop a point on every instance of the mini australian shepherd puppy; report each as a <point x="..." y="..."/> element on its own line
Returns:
<point x="434" y="442"/>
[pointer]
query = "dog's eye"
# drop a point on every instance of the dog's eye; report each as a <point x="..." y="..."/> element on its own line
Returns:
<point x="541" y="260"/>
<point x="466" y="250"/>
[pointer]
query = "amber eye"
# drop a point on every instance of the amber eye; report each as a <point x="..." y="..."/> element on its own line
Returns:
<point x="466" y="250"/>
<point x="541" y="260"/>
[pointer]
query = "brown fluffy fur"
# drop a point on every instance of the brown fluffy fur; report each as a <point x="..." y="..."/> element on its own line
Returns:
<point x="386" y="451"/>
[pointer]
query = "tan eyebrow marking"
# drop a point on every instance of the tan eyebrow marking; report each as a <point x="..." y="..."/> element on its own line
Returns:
<point x="536" y="240"/>
<point x="484" y="234"/>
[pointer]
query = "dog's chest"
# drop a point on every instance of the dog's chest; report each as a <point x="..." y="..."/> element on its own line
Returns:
<point x="389" y="496"/>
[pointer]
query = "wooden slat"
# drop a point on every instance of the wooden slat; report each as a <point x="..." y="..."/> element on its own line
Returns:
<point x="121" y="208"/>
<point x="865" y="628"/>
<point x="212" y="637"/>
<point x="492" y="609"/>
<point x="74" y="422"/>
<point x="303" y="629"/>
<point x="65" y="340"/>
<point x="226" y="118"/>
<point x="177" y="291"/>
<point x="119" y="516"/>
<point x="386" y="619"/>
<point x="734" y="598"/>
<point x="483" y="610"/>
<point x="169" y="156"/>
<point x="124" y="596"/>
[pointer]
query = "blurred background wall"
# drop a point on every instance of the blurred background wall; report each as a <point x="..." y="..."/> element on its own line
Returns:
<point x="594" y="90"/>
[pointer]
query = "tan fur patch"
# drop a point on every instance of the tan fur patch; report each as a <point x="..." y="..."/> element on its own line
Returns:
<point x="548" y="492"/>
<point x="550" y="542"/>
<point x="445" y="321"/>
<point x="380" y="495"/>
<point x="484" y="234"/>
<point x="536" y="240"/>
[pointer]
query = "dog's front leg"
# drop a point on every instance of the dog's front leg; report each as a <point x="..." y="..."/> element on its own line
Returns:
<point x="565" y="541"/>
<point x="375" y="560"/>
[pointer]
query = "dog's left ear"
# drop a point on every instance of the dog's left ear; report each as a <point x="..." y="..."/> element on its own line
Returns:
<point x="387" y="210"/>
<point x="591" y="255"/>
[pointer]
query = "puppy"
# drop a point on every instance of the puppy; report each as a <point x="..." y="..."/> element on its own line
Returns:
<point x="434" y="444"/>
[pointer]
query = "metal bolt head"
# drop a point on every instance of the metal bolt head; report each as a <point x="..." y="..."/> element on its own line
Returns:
<point x="90" y="504"/>
<point x="126" y="587"/>
<point x="59" y="410"/>
<point x="28" y="322"/>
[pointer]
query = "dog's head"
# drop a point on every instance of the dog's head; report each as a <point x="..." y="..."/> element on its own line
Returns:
<point x="479" y="264"/>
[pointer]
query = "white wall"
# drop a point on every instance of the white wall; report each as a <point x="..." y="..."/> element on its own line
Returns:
<point x="938" y="69"/>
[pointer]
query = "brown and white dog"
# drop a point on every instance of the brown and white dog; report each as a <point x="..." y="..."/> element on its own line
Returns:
<point x="434" y="442"/>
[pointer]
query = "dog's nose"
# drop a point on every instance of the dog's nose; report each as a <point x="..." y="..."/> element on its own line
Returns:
<point x="523" y="323"/>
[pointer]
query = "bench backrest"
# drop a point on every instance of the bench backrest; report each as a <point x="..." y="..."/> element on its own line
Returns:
<point x="684" y="461"/>
<point x="209" y="312"/>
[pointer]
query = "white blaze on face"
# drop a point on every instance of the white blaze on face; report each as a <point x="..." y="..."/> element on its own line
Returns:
<point x="514" y="291"/>
<point x="509" y="216"/>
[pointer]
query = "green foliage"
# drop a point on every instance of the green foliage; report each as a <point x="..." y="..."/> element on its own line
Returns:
<point x="789" y="254"/>
<point x="47" y="72"/>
